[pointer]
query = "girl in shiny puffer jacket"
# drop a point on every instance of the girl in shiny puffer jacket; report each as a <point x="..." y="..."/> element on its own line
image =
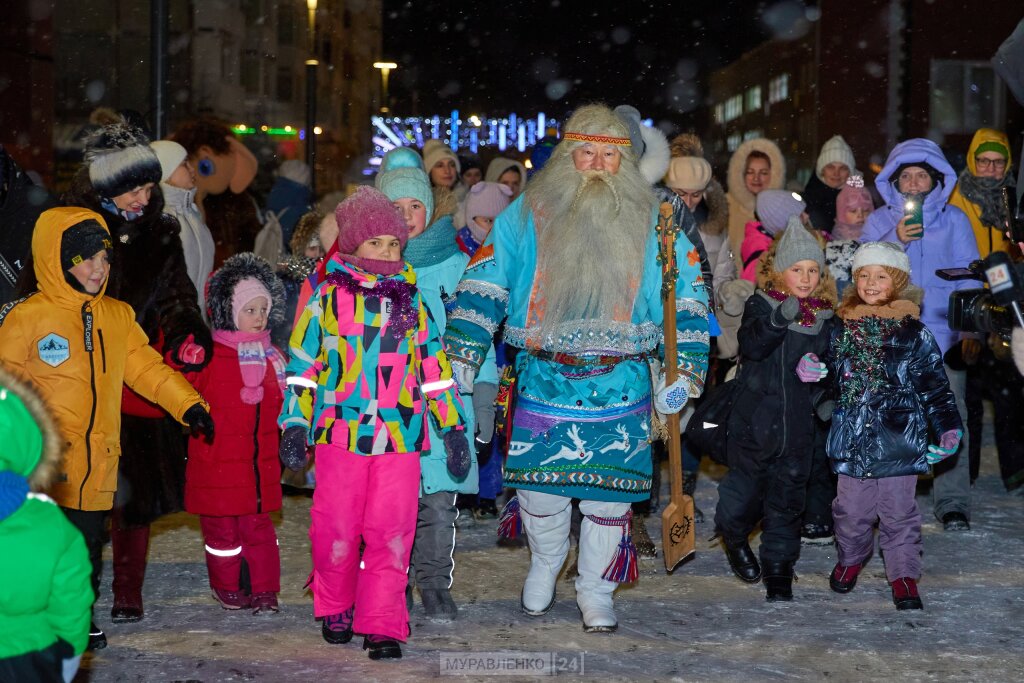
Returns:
<point x="892" y="397"/>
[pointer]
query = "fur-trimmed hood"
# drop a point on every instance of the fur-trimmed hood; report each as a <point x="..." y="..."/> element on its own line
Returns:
<point x="222" y="286"/>
<point x="38" y="467"/>
<point x="769" y="278"/>
<point x="738" y="167"/>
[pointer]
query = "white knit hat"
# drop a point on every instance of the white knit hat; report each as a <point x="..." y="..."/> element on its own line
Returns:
<point x="835" y="150"/>
<point x="881" y="254"/>
<point x="434" y="150"/>
<point x="170" y="154"/>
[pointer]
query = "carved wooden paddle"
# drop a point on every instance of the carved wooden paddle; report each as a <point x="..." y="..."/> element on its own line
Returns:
<point x="677" y="531"/>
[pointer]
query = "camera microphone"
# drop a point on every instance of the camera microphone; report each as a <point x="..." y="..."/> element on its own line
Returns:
<point x="1004" y="282"/>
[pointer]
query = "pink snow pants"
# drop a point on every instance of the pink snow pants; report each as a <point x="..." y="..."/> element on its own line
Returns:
<point x="229" y="539"/>
<point x="371" y="499"/>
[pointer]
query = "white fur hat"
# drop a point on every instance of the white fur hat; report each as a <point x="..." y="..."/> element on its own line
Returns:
<point x="881" y="254"/>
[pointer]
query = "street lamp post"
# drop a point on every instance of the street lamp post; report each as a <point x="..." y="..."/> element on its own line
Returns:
<point x="311" y="65"/>
<point x="385" y="70"/>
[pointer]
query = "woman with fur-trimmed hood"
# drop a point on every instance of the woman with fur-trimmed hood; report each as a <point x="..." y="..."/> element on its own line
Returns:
<point x="772" y="427"/>
<point x="756" y="165"/>
<point x="233" y="481"/>
<point x="45" y="596"/>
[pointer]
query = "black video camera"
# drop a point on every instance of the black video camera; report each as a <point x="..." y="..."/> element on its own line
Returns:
<point x="996" y="309"/>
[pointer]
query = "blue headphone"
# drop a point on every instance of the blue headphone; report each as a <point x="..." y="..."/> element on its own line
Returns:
<point x="205" y="167"/>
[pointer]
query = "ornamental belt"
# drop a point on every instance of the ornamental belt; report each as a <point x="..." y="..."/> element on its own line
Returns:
<point x="583" y="361"/>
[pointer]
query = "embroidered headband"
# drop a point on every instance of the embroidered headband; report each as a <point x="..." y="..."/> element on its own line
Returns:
<point x="602" y="139"/>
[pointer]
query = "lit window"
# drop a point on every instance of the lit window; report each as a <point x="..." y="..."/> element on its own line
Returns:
<point x="732" y="142"/>
<point x="754" y="98"/>
<point x="752" y="135"/>
<point x="719" y="113"/>
<point x="778" y="88"/>
<point x="733" y="107"/>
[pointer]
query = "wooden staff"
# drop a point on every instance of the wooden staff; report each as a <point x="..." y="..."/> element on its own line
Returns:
<point x="677" y="529"/>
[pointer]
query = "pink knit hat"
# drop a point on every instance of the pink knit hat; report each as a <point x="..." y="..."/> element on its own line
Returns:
<point x="365" y="214"/>
<point x="245" y="291"/>
<point x="486" y="199"/>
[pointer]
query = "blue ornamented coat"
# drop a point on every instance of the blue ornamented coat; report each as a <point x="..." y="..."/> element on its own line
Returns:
<point x="580" y="429"/>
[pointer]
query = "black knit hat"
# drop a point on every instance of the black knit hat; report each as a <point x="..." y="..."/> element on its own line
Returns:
<point x="937" y="177"/>
<point x="81" y="242"/>
<point x="120" y="159"/>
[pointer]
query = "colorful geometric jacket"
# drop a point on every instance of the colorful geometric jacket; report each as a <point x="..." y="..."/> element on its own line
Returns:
<point x="364" y="355"/>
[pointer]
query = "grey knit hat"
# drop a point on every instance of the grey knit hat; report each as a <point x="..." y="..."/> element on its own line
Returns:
<point x="797" y="244"/>
<point x="120" y="159"/>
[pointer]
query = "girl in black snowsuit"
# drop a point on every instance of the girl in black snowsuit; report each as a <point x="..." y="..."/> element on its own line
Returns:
<point x="773" y="424"/>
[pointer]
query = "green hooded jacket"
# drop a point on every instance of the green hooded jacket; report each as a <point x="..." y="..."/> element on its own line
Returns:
<point x="45" y="591"/>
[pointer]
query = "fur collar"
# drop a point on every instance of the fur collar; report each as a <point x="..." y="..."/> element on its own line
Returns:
<point x="894" y="310"/>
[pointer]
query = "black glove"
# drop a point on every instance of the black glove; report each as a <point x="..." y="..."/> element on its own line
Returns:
<point x="483" y="450"/>
<point x="293" y="448"/>
<point x="786" y="312"/>
<point x="457" y="448"/>
<point x="198" y="420"/>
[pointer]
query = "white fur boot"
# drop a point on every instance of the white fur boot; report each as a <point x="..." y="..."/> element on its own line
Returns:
<point x="598" y="546"/>
<point x="546" y="519"/>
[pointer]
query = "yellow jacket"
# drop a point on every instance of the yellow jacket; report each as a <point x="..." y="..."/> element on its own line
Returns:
<point x="989" y="238"/>
<point x="78" y="349"/>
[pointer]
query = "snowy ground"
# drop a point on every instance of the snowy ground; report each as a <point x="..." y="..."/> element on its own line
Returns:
<point x="699" y="624"/>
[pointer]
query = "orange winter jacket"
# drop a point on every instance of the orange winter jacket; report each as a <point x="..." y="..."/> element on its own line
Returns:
<point x="78" y="349"/>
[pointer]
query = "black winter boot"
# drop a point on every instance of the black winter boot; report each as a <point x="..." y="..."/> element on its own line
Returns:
<point x="743" y="561"/>
<point x="778" y="581"/>
<point x="689" y="488"/>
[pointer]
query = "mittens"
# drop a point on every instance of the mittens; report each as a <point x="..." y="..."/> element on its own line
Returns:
<point x="949" y="442"/>
<point x="292" y="450"/>
<point x="463" y="376"/>
<point x="198" y="420"/>
<point x="190" y="353"/>
<point x="457" y="449"/>
<point x="669" y="400"/>
<point x="786" y="312"/>
<point x="810" y="369"/>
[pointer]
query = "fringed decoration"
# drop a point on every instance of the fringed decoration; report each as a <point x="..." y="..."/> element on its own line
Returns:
<point x="625" y="565"/>
<point x="510" y="524"/>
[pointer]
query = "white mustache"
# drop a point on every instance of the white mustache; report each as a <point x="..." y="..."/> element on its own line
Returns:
<point x="596" y="176"/>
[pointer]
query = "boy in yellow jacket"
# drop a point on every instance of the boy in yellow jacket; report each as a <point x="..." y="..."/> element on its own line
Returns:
<point x="78" y="348"/>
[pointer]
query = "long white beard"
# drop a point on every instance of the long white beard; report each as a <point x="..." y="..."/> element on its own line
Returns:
<point x="591" y="238"/>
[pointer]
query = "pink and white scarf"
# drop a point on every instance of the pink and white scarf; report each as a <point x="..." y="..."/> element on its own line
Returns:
<point x="254" y="348"/>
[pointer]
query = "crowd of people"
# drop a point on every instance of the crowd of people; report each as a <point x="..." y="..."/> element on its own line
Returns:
<point x="418" y="350"/>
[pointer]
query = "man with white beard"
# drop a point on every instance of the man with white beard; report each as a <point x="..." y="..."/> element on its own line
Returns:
<point x="571" y="268"/>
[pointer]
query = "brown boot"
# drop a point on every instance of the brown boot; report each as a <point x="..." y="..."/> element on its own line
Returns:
<point x="641" y="539"/>
<point x="129" y="546"/>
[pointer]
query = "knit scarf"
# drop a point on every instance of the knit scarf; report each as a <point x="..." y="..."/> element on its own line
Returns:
<point x="987" y="194"/>
<point x="13" y="491"/>
<point x="433" y="245"/>
<point x="809" y="307"/>
<point x="254" y="348"/>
